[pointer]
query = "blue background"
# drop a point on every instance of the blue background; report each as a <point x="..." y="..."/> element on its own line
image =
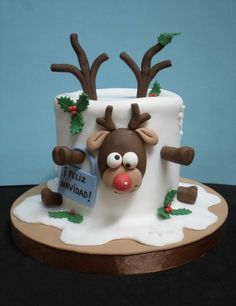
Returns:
<point x="35" y="34"/>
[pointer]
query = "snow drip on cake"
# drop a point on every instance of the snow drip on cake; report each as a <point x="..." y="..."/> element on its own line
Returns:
<point x="152" y="231"/>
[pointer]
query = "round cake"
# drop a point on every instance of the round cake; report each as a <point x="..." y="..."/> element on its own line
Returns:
<point x="118" y="154"/>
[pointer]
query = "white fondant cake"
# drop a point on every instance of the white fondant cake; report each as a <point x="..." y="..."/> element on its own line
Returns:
<point x="133" y="215"/>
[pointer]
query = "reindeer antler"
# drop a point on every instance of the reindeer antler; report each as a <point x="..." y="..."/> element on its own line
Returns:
<point x="107" y="121"/>
<point x="85" y="75"/>
<point x="146" y="74"/>
<point x="137" y="119"/>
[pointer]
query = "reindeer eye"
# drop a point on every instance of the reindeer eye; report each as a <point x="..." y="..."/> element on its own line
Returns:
<point x="130" y="160"/>
<point x="114" y="160"/>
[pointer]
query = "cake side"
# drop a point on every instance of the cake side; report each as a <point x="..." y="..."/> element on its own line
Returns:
<point x="160" y="176"/>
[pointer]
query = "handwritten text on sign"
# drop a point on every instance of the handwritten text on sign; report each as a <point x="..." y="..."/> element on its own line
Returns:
<point x="78" y="185"/>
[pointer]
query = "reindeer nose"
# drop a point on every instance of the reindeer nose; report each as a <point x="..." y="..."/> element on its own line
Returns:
<point x="122" y="181"/>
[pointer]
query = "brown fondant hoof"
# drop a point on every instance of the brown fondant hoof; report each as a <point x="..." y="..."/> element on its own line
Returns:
<point x="187" y="194"/>
<point x="63" y="155"/>
<point x="183" y="156"/>
<point x="50" y="198"/>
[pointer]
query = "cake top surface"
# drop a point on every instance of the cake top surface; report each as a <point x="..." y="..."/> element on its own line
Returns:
<point x="123" y="95"/>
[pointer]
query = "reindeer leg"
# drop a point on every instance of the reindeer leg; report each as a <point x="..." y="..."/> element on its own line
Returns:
<point x="64" y="156"/>
<point x="182" y="156"/>
<point x="50" y="198"/>
<point x="187" y="194"/>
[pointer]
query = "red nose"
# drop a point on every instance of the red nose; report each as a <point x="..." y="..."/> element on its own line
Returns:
<point x="122" y="181"/>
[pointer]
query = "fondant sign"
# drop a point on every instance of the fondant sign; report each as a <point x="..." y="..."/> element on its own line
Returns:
<point x="78" y="184"/>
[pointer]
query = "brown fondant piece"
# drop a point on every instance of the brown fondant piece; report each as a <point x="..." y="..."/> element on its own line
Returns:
<point x="187" y="194"/>
<point x="137" y="119"/>
<point x="63" y="155"/>
<point x="107" y="121"/>
<point x="50" y="198"/>
<point x="122" y="256"/>
<point x="122" y="140"/>
<point x="183" y="156"/>
<point x="85" y="75"/>
<point x="146" y="74"/>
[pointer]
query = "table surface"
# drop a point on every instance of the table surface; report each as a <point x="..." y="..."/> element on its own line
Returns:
<point x="210" y="280"/>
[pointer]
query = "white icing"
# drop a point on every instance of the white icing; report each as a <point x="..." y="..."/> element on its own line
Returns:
<point x="181" y="119"/>
<point x="150" y="230"/>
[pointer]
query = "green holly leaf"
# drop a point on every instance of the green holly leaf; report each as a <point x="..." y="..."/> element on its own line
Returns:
<point x="163" y="213"/>
<point x="76" y="124"/>
<point x="65" y="102"/>
<point x="156" y="88"/>
<point x="83" y="102"/>
<point x="180" y="212"/>
<point x="170" y="197"/>
<point x="165" y="38"/>
<point x="58" y="214"/>
<point x="76" y="218"/>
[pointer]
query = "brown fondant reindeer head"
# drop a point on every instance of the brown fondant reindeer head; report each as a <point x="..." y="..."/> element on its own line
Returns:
<point x="122" y="156"/>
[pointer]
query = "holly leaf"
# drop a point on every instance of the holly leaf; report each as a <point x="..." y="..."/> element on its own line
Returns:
<point x="156" y="88"/>
<point x="58" y="214"/>
<point x="170" y="196"/>
<point x="83" y="102"/>
<point x="65" y="102"/>
<point x="163" y="213"/>
<point x="180" y="212"/>
<point x="76" y="218"/>
<point x="165" y="38"/>
<point x="76" y="124"/>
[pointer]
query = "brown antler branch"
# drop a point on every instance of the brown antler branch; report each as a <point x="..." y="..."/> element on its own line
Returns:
<point x="147" y="58"/>
<point x="156" y="68"/>
<point x="94" y="69"/>
<point x="84" y="75"/>
<point x="147" y="73"/>
<point x="107" y="121"/>
<point x="71" y="69"/>
<point x="132" y="65"/>
<point x="137" y="119"/>
<point x="83" y="61"/>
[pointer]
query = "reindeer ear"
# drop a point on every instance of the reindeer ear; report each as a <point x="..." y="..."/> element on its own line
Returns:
<point x="147" y="135"/>
<point x="95" y="141"/>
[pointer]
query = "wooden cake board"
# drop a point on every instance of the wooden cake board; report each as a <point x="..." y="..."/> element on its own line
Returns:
<point x="122" y="256"/>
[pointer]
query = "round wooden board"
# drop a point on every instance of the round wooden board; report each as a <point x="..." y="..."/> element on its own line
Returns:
<point x="118" y="256"/>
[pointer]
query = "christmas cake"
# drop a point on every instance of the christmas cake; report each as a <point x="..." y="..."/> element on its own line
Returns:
<point x="118" y="154"/>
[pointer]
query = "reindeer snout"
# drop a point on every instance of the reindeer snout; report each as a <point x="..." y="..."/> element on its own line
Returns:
<point x="122" y="181"/>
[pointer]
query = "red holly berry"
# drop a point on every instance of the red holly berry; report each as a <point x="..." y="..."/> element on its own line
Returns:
<point x="72" y="212"/>
<point x="152" y="94"/>
<point x="74" y="108"/>
<point x="73" y="113"/>
<point x="168" y="208"/>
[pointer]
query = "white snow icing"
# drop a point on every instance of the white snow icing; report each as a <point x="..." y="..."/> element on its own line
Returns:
<point x="150" y="230"/>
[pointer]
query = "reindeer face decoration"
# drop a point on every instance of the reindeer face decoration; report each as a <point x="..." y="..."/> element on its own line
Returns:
<point x="122" y="156"/>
